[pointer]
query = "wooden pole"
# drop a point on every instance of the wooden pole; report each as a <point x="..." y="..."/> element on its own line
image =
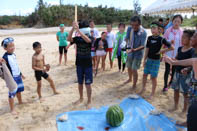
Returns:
<point x="75" y="13"/>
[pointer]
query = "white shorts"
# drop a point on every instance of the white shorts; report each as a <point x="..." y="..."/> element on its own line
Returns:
<point x="100" y="53"/>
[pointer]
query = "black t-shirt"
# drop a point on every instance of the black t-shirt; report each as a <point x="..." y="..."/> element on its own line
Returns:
<point x="97" y="44"/>
<point x="154" y="43"/>
<point x="183" y="55"/>
<point x="83" y="57"/>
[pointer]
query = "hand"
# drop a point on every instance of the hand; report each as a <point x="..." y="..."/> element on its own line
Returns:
<point x="161" y="52"/>
<point x="184" y="71"/>
<point x="172" y="41"/>
<point x="47" y="67"/>
<point x="130" y="50"/>
<point x="75" y="25"/>
<point x="167" y="60"/>
<point x="2" y="60"/>
<point x="23" y="77"/>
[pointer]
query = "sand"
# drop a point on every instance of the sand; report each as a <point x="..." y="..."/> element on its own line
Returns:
<point x="108" y="86"/>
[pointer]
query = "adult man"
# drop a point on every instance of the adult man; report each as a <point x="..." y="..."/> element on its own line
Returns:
<point x="136" y="38"/>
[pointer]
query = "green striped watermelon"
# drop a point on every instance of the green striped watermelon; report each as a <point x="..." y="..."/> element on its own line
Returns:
<point x="115" y="116"/>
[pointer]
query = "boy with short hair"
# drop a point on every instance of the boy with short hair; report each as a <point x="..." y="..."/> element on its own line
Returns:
<point x="192" y="115"/>
<point x="40" y="68"/>
<point x="10" y="58"/>
<point x="62" y="38"/>
<point x="181" y="79"/>
<point x="152" y="56"/>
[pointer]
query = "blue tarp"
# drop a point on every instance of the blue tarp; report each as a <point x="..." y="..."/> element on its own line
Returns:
<point x="137" y="118"/>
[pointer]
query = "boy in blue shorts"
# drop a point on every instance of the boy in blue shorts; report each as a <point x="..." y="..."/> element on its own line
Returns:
<point x="152" y="56"/>
<point x="10" y="58"/>
<point x="83" y="58"/>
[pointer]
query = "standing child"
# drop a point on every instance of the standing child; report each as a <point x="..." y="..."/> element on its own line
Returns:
<point x="181" y="79"/>
<point x="40" y="68"/>
<point x="83" y="59"/>
<point x="101" y="47"/>
<point x="117" y="51"/>
<point x="191" y="115"/>
<point x="93" y="51"/>
<point x="62" y="38"/>
<point x="13" y="67"/>
<point x="152" y="57"/>
<point x="110" y="40"/>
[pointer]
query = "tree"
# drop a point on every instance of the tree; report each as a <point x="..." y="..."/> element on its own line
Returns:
<point x="137" y="7"/>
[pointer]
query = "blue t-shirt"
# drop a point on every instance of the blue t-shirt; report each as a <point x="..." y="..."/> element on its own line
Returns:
<point x="62" y="38"/>
<point x="138" y="40"/>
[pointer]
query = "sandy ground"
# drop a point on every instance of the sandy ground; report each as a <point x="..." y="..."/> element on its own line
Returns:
<point x="108" y="86"/>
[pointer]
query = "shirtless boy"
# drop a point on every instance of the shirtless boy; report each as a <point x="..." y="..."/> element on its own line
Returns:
<point x="40" y="68"/>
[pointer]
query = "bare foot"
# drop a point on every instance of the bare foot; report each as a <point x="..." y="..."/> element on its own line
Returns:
<point x="78" y="102"/>
<point x="41" y="99"/>
<point x="151" y="97"/>
<point x="128" y="81"/>
<point x="133" y="88"/>
<point x="14" y="113"/>
<point x="181" y="123"/>
<point x="142" y="91"/>
<point x="174" y="109"/>
<point x="89" y="105"/>
<point x="56" y="93"/>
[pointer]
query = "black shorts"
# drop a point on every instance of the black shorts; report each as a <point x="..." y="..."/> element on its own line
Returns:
<point x="40" y="74"/>
<point x="62" y="49"/>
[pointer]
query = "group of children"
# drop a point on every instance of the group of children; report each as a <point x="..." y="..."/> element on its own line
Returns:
<point x="90" y="49"/>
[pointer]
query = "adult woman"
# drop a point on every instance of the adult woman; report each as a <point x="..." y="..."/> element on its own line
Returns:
<point x="173" y="35"/>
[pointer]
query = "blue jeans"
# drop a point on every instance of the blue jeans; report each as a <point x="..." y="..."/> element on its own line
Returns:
<point x="84" y="73"/>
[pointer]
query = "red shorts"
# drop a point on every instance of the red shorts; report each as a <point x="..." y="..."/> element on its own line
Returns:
<point x="109" y="50"/>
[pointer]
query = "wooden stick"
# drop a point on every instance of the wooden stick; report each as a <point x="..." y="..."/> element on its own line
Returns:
<point x="75" y="13"/>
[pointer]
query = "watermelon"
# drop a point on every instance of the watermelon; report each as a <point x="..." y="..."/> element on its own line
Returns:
<point x="114" y="116"/>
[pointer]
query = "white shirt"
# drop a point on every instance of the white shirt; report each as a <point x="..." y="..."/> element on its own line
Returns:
<point x="177" y="44"/>
<point x="13" y="65"/>
<point x="96" y="32"/>
<point x="110" y="39"/>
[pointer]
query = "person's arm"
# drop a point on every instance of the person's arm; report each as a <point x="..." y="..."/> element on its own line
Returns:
<point x="186" y="62"/>
<point x="137" y="49"/>
<point x="168" y="44"/>
<point x="57" y="37"/>
<point x="128" y="34"/>
<point x="145" y="56"/>
<point x="34" y="65"/>
<point x="87" y="40"/>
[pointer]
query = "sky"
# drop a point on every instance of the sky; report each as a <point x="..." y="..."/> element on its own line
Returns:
<point x="25" y="7"/>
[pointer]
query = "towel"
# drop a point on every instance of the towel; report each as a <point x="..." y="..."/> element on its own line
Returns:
<point x="6" y="75"/>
